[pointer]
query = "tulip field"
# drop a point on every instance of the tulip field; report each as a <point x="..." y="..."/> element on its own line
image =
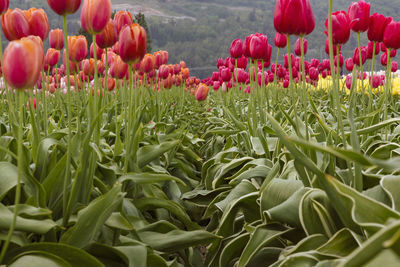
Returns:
<point x="112" y="156"/>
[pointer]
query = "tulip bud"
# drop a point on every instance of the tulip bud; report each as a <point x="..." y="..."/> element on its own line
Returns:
<point x="23" y="62"/>
<point x="297" y="48"/>
<point x="122" y="19"/>
<point x="99" y="51"/>
<point x="294" y="17"/>
<point x="349" y="64"/>
<point x="394" y="66"/>
<point x="259" y="48"/>
<point x="201" y="92"/>
<point x="52" y="57"/>
<point x="237" y="48"/>
<point x="77" y="48"/>
<point x="285" y="83"/>
<point x="4" y="6"/>
<point x="15" y="24"/>
<point x="56" y="39"/>
<point x="132" y="43"/>
<point x="108" y="37"/>
<point x="391" y="36"/>
<point x="280" y="40"/>
<point x="95" y="15"/>
<point x="64" y="7"/>
<point x="356" y="56"/>
<point x="38" y="22"/>
<point x="359" y="16"/>
<point x="377" y="25"/>
<point x="349" y="81"/>
<point x="384" y="59"/>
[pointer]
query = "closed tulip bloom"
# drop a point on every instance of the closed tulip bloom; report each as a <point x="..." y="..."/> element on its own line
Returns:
<point x="56" y="39"/>
<point x="393" y="52"/>
<point x="108" y="37"/>
<point x="340" y="27"/>
<point x="52" y="57"/>
<point x="356" y="56"/>
<point x="148" y="63"/>
<point x="314" y="63"/>
<point x="394" y="66"/>
<point x="122" y="19"/>
<point x="280" y="40"/>
<point x="384" y="59"/>
<point x="334" y="47"/>
<point x="119" y="68"/>
<point x="159" y="59"/>
<point x="297" y="48"/>
<point x="165" y="56"/>
<point x="377" y="25"/>
<point x="23" y="62"/>
<point x="359" y="16"/>
<point x="64" y="7"/>
<point x="4" y="6"/>
<point x="376" y="81"/>
<point x="110" y="84"/>
<point x="88" y="67"/>
<point x="242" y="62"/>
<point x="391" y="36"/>
<point x="349" y="64"/>
<point x="225" y="74"/>
<point x="185" y="73"/>
<point x="77" y="48"/>
<point x="201" y="92"/>
<point x="99" y="51"/>
<point x="132" y="44"/>
<point x="38" y="22"/>
<point x="349" y="81"/>
<point x="294" y="17"/>
<point x="370" y="49"/>
<point x="340" y="60"/>
<point x="15" y="24"/>
<point x="237" y="48"/>
<point x="314" y="74"/>
<point x="95" y="15"/>
<point x="163" y="72"/>
<point x="259" y="47"/>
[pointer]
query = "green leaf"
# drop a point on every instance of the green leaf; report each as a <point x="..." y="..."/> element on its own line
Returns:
<point x="148" y="178"/>
<point x="9" y="178"/>
<point x="91" y="218"/>
<point x="148" y="153"/>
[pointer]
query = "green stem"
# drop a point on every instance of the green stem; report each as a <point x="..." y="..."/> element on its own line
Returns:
<point x="304" y="90"/>
<point x="20" y="172"/>
<point x="96" y="87"/>
<point x="370" y="98"/>
<point x="67" y="176"/>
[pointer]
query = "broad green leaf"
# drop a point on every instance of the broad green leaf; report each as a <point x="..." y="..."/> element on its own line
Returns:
<point x="9" y="178"/>
<point x="148" y="178"/>
<point x="149" y="153"/>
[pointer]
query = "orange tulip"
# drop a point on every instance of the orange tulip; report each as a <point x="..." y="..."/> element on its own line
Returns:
<point x="77" y="48"/>
<point x="56" y="39"/>
<point x="132" y="43"/>
<point x="64" y="7"/>
<point x="110" y="84"/>
<point x="185" y="73"/>
<point x="23" y="61"/>
<point x="201" y="92"/>
<point x="38" y="22"/>
<point x="95" y="15"/>
<point x="182" y="64"/>
<point x="165" y="57"/>
<point x="148" y="63"/>
<point x="52" y="57"/>
<point x="159" y="59"/>
<point x="4" y="6"/>
<point x="122" y="19"/>
<point x="15" y="24"/>
<point x="108" y="37"/>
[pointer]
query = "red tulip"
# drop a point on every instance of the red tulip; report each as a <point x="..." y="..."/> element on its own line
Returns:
<point x="52" y="57"/>
<point x="132" y="43"/>
<point x="349" y="64"/>
<point x="242" y="62"/>
<point x="225" y="74"/>
<point x="340" y="27"/>
<point x="148" y="63"/>
<point x="383" y="48"/>
<point x="23" y="62"/>
<point x="391" y="36"/>
<point x="297" y="48"/>
<point x="15" y="24"/>
<point x="285" y="83"/>
<point x="108" y="37"/>
<point x="370" y="49"/>
<point x="349" y="81"/>
<point x="95" y="15"/>
<point x="77" y="48"/>
<point x="216" y="85"/>
<point x="201" y="92"/>
<point x="236" y="48"/>
<point x="359" y="16"/>
<point x="64" y="7"/>
<point x="56" y="39"/>
<point x="356" y="56"/>
<point x="384" y="59"/>
<point x="340" y="60"/>
<point x="394" y="66"/>
<point x="294" y="17"/>
<point x="159" y="59"/>
<point x="314" y="74"/>
<point x="377" y="25"/>
<point x="286" y="60"/>
<point x="334" y="48"/>
<point x="4" y="6"/>
<point x="376" y="81"/>
<point x="122" y="19"/>
<point x="88" y="67"/>
<point x="259" y="47"/>
<point x="280" y="40"/>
